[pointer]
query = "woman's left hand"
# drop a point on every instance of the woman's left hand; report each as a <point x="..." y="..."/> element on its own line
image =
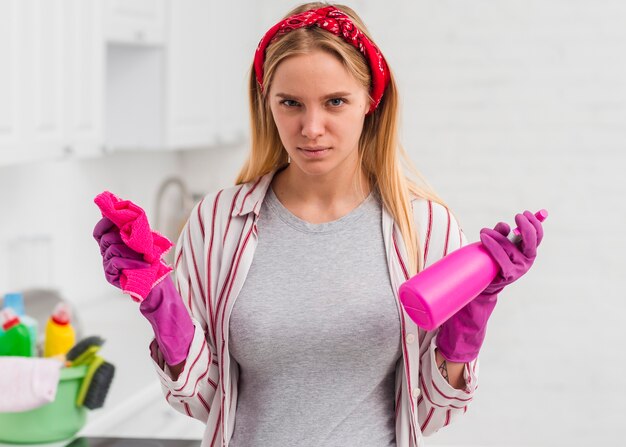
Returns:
<point x="460" y="337"/>
<point x="514" y="259"/>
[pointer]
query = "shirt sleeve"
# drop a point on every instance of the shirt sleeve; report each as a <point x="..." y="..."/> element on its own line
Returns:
<point x="193" y="391"/>
<point x="439" y="402"/>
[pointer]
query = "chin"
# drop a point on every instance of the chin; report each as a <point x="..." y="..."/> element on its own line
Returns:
<point x="315" y="169"/>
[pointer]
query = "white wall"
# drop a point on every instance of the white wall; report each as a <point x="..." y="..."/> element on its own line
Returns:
<point x="55" y="200"/>
<point x="508" y="105"/>
<point x="513" y="105"/>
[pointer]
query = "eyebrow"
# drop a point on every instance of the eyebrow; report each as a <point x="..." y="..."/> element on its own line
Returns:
<point x="331" y="95"/>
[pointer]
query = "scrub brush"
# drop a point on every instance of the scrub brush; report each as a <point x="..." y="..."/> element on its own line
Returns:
<point x="97" y="381"/>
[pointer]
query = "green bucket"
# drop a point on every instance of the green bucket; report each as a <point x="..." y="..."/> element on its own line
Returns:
<point x="55" y="421"/>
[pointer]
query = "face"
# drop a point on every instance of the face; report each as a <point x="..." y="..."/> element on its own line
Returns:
<point x="319" y="109"/>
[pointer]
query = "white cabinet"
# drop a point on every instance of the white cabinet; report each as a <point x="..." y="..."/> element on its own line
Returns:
<point x="231" y="55"/>
<point x="10" y="131"/>
<point x="206" y="73"/>
<point x="191" y="79"/>
<point x="83" y="77"/>
<point x="79" y="77"/>
<point x="134" y="102"/>
<point x="32" y="49"/>
<point x="188" y="92"/>
<point x="208" y="56"/>
<point x="135" y="21"/>
<point x="49" y="104"/>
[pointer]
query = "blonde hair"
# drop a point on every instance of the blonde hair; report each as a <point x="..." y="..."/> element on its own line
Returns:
<point x="379" y="148"/>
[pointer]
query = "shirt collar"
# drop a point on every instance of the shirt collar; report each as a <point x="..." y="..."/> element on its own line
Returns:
<point x="251" y="194"/>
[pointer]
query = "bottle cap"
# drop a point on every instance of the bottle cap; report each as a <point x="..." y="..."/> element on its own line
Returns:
<point x="62" y="313"/>
<point x="8" y="318"/>
<point x="15" y="301"/>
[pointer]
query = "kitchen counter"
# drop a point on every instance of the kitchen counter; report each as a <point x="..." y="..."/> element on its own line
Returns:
<point x="80" y="441"/>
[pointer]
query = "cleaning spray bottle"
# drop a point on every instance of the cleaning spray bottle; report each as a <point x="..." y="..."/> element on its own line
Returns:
<point x="16" y="302"/>
<point x="442" y="289"/>
<point x="15" y="340"/>
<point x="60" y="335"/>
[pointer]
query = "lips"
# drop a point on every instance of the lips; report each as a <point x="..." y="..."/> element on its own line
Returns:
<point x="314" y="152"/>
<point x="314" y="149"/>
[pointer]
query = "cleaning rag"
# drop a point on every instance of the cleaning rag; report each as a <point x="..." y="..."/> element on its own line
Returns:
<point x="27" y="382"/>
<point x="136" y="234"/>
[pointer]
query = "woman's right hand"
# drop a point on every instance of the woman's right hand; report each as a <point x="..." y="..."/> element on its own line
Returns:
<point x="116" y="255"/>
<point x="163" y="307"/>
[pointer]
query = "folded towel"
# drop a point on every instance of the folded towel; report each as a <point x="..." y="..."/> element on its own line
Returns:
<point x="27" y="382"/>
<point x="136" y="233"/>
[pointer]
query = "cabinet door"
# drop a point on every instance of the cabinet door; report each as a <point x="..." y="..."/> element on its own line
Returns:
<point x="32" y="120"/>
<point x="51" y="81"/>
<point x="42" y="62"/>
<point x="234" y="43"/>
<point x="83" y="79"/>
<point x="10" y="85"/>
<point x="208" y="59"/>
<point x="135" y="21"/>
<point x="192" y="77"/>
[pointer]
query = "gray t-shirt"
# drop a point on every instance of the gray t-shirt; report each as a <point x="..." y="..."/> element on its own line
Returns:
<point x="314" y="292"/>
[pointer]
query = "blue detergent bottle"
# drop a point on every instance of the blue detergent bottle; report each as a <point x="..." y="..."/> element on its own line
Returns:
<point x="16" y="302"/>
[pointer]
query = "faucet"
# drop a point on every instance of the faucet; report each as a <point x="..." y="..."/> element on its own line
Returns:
<point x="172" y="227"/>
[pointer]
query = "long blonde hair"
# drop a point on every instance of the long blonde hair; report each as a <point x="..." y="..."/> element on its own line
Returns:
<point x="379" y="148"/>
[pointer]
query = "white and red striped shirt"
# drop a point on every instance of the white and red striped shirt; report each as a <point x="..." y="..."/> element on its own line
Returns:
<point x="213" y="255"/>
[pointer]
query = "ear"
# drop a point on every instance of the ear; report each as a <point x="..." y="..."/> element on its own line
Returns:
<point x="368" y="103"/>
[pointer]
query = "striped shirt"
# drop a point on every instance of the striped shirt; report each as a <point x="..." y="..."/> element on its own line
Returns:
<point x="213" y="256"/>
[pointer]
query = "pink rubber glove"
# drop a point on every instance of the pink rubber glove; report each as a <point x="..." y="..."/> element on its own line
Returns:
<point x="171" y="323"/>
<point x="459" y="339"/>
<point x="163" y="307"/>
<point x="514" y="259"/>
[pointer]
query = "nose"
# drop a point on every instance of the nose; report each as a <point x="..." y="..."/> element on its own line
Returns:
<point x="312" y="124"/>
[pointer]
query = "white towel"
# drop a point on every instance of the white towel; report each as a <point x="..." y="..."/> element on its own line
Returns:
<point x="27" y="382"/>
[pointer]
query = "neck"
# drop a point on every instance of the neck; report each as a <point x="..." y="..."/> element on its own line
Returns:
<point x="328" y="190"/>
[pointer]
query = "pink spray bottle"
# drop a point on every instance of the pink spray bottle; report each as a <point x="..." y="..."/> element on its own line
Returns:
<point x="439" y="291"/>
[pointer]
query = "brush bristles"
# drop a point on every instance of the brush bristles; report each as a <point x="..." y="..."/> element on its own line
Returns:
<point x="82" y="346"/>
<point x="99" y="387"/>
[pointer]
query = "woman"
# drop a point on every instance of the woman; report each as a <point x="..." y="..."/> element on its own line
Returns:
<point x="286" y="312"/>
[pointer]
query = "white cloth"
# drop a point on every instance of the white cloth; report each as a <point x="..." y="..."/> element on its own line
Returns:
<point x="27" y="382"/>
<point x="213" y="256"/>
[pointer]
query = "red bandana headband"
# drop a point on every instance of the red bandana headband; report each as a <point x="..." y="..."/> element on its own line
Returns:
<point x="335" y="21"/>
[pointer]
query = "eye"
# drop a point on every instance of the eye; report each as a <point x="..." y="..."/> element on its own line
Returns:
<point x="285" y="101"/>
<point x="290" y="103"/>
<point x="338" y="99"/>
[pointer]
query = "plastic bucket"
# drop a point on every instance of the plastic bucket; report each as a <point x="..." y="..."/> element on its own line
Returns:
<point x="55" y="421"/>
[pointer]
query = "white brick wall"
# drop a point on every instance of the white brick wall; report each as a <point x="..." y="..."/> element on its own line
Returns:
<point x="513" y="105"/>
